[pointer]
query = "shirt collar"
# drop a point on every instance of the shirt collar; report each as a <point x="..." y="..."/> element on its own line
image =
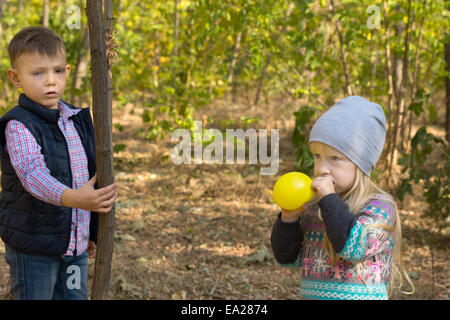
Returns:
<point x="66" y="111"/>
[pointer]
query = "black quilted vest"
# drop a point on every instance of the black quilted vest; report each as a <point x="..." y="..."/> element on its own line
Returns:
<point x="28" y="224"/>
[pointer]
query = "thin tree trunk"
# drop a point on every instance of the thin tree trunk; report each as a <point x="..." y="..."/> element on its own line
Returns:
<point x="109" y="27"/>
<point x="157" y="59"/>
<point x="2" y="3"/>
<point x="447" y="91"/>
<point x="103" y="140"/>
<point x="237" y="46"/>
<point x="399" y="115"/>
<point x="403" y="111"/>
<point x="46" y="10"/>
<point x="373" y="63"/>
<point x="81" y="68"/>
<point x="269" y="58"/>
<point x="348" y="86"/>
<point x="416" y="72"/>
<point x="391" y="96"/>
<point x="176" y="23"/>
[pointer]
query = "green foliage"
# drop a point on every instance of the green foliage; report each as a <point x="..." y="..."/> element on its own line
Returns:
<point x="173" y="74"/>
<point x="304" y="158"/>
<point x="428" y="165"/>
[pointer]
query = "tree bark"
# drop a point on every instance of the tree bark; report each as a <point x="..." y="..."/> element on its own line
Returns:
<point x="102" y="110"/>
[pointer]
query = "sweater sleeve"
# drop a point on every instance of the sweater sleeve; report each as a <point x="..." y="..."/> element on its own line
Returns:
<point x="338" y="220"/>
<point x="286" y="240"/>
<point x="369" y="235"/>
<point x="356" y="238"/>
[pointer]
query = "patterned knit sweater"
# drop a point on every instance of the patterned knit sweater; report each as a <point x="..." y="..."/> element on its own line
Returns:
<point x="364" y="268"/>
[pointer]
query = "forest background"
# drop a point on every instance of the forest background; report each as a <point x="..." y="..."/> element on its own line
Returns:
<point x="203" y="231"/>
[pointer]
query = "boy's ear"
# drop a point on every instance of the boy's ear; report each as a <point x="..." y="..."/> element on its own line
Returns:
<point x="68" y="67"/>
<point x="14" y="78"/>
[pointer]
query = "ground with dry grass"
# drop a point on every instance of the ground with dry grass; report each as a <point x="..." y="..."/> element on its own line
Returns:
<point x="203" y="231"/>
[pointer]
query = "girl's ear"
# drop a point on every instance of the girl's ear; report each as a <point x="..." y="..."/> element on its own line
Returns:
<point x="14" y="78"/>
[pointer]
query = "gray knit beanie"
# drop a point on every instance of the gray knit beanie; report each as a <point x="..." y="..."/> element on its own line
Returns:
<point x="356" y="127"/>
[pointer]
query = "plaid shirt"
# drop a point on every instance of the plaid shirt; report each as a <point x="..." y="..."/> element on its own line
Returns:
<point x="28" y="162"/>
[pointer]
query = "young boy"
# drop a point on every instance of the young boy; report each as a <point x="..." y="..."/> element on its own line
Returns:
<point x="48" y="204"/>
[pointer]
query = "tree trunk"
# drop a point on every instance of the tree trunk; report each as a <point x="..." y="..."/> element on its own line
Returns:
<point x="176" y="23"/>
<point x="102" y="110"/>
<point x="447" y="91"/>
<point x="109" y="26"/>
<point x="81" y="68"/>
<point x="403" y="110"/>
<point x="2" y="3"/>
<point x="46" y="9"/>
<point x="401" y="95"/>
<point x="157" y="59"/>
<point x="391" y="95"/>
<point x="416" y="72"/>
<point x="231" y="83"/>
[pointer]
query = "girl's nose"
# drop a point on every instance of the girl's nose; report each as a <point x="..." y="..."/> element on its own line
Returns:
<point x="322" y="169"/>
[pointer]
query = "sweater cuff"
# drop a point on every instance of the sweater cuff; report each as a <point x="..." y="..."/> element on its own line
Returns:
<point x="338" y="220"/>
<point x="286" y="241"/>
<point x="288" y="227"/>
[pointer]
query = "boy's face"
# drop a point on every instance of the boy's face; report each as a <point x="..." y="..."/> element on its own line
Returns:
<point x="42" y="78"/>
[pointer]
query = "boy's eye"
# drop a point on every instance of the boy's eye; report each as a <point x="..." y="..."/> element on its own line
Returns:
<point x="317" y="156"/>
<point x="334" y="158"/>
<point x="60" y="70"/>
<point x="37" y="73"/>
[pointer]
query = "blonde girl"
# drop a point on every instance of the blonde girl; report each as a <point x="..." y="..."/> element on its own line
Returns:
<point x="348" y="239"/>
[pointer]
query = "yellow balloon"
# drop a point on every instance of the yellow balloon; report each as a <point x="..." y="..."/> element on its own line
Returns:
<point x="293" y="190"/>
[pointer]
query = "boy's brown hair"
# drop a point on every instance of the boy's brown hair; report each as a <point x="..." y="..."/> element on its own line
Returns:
<point x="35" y="39"/>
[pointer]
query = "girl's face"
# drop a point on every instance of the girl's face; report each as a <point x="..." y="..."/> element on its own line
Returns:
<point x="329" y="161"/>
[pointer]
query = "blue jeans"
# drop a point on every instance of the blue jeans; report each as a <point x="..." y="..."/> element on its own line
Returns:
<point x="37" y="277"/>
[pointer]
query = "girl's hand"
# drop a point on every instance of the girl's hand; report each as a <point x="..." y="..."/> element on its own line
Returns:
<point x="323" y="185"/>
<point x="292" y="215"/>
<point x="88" y="198"/>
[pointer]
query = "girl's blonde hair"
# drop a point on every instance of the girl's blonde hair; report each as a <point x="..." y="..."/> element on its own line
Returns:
<point x="362" y="191"/>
